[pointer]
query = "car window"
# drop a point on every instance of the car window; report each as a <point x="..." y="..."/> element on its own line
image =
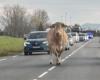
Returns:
<point x="37" y="35"/>
<point x="73" y="34"/>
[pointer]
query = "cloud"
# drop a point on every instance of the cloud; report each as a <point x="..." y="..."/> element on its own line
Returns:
<point x="81" y="11"/>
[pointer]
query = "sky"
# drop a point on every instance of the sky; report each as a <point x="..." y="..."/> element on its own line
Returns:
<point x="67" y="11"/>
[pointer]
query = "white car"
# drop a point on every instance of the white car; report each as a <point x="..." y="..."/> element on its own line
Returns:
<point x="67" y="47"/>
<point x="70" y="41"/>
<point x="75" y="36"/>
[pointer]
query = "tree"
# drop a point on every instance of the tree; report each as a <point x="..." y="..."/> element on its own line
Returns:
<point x="15" y="21"/>
<point x="39" y="19"/>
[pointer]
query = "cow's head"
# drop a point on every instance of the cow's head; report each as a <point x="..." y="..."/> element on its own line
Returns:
<point x="58" y="28"/>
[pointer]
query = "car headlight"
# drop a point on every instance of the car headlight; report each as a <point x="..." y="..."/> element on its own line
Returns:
<point x="45" y="42"/>
<point x="26" y="43"/>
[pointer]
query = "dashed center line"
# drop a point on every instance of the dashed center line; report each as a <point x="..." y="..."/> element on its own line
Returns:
<point x="50" y="69"/>
<point x="43" y="74"/>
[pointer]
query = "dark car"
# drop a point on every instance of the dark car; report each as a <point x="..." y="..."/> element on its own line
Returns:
<point x="90" y="35"/>
<point x="36" y="41"/>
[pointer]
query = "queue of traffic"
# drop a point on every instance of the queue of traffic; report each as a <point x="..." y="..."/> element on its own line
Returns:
<point x="36" y="41"/>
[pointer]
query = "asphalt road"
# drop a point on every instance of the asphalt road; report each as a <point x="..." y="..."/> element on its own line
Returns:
<point x="82" y="62"/>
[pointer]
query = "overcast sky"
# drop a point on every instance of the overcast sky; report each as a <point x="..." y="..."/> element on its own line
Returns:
<point x="72" y="11"/>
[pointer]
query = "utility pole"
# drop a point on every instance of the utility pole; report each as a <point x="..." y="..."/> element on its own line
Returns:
<point x="65" y="17"/>
<point x="70" y="20"/>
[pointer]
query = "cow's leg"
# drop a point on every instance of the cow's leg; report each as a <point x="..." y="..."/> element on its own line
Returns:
<point x="59" y="57"/>
<point x="58" y="60"/>
<point x="51" y="58"/>
<point x="52" y="61"/>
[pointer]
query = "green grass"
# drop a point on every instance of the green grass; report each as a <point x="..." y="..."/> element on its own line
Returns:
<point x="10" y="45"/>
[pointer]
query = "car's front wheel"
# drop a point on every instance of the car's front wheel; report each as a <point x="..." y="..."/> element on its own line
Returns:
<point x="30" y="53"/>
<point x="71" y="44"/>
<point x="25" y="53"/>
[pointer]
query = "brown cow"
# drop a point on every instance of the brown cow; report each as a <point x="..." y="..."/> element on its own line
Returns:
<point x="57" y="39"/>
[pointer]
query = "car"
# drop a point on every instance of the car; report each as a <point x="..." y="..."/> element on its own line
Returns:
<point x="36" y="41"/>
<point x="83" y="37"/>
<point x="67" y="47"/>
<point x="75" y="36"/>
<point x="90" y="35"/>
<point x="71" y="39"/>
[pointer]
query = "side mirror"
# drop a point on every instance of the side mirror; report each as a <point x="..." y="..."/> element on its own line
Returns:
<point x="25" y="36"/>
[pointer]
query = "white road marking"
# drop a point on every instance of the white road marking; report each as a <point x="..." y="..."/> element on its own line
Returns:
<point x="34" y="79"/>
<point x="53" y="67"/>
<point x="50" y="69"/>
<point x="43" y="74"/>
<point x="6" y="58"/>
<point x="3" y="59"/>
<point x="63" y="59"/>
<point x="14" y="56"/>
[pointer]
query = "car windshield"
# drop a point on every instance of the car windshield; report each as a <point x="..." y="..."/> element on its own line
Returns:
<point x="37" y="35"/>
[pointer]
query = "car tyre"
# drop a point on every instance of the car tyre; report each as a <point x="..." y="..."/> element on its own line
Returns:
<point x="30" y="53"/>
<point x="71" y="44"/>
<point x="25" y="53"/>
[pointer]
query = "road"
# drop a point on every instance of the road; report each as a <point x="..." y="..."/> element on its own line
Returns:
<point x="82" y="62"/>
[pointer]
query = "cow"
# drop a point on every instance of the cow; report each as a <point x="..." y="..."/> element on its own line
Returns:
<point x="57" y="40"/>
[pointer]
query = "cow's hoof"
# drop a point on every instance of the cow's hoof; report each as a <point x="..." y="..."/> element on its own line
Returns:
<point x="58" y="64"/>
<point x="51" y="63"/>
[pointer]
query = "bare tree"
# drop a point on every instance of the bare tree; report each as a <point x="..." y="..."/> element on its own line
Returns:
<point x="39" y="19"/>
<point x="15" y="21"/>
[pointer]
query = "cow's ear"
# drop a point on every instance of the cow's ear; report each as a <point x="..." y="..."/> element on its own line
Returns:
<point x="63" y="25"/>
<point x="52" y="26"/>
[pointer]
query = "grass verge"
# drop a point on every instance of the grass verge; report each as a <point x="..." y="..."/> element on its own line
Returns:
<point x="10" y="45"/>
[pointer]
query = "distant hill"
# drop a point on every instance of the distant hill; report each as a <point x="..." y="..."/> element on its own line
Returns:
<point x="89" y="26"/>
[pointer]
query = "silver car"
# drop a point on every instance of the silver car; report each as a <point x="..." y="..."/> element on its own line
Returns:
<point x="71" y="39"/>
<point x="83" y="37"/>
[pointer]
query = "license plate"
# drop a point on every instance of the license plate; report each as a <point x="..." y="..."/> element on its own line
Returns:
<point x="36" y="46"/>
